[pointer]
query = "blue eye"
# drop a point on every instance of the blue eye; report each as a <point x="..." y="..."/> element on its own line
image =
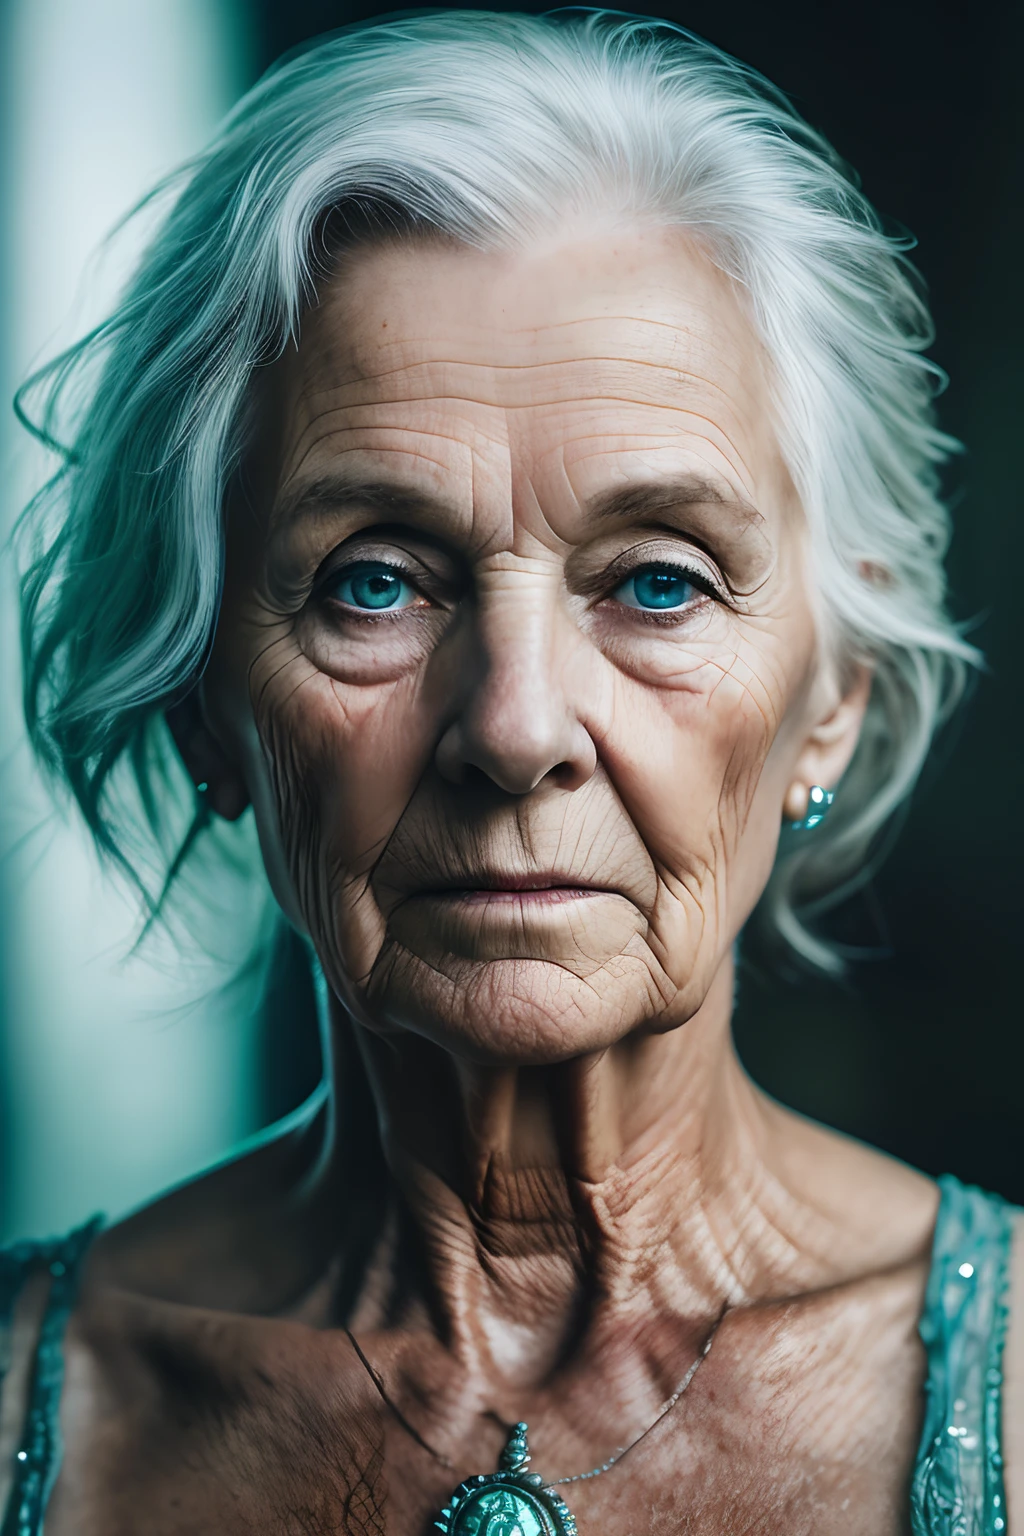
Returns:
<point x="374" y="586"/>
<point x="656" y="587"/>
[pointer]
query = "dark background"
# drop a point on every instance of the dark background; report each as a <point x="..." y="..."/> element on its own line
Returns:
<point x="921" y="1050"/>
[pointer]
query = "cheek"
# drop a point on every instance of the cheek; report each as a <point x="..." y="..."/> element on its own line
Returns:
<point x="687" y="761"/>
<point x="340" y="765"/>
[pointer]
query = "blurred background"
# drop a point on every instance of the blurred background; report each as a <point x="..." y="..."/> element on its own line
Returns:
<point x="121" y="1074"/>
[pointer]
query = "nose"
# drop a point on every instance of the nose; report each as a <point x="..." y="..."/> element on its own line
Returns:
<point x="518" y="723"/>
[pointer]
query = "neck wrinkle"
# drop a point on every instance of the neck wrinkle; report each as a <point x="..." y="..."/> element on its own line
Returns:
<point x="557" y="1208"/>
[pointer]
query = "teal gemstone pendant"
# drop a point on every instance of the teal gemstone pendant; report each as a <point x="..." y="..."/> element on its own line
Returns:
<point x="509" y="1502"/>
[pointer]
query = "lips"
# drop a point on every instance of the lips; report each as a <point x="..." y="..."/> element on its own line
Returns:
<point x="492" y="914"/>
<point x="550" y="884"/>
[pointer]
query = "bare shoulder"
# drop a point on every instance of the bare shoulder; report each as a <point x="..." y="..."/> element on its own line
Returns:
<point x="1013" y="1384"/>
<point x="881" y="1210"/>
<point x="250" y="1235"/>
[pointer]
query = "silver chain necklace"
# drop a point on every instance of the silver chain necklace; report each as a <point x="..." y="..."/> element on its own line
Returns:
<point x="514" y="1501"/>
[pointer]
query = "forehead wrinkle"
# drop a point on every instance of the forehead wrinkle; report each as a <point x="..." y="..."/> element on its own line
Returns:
<point x="709" y="422"/>
<point x="363" y="354"/>
<point x="680" y="376"/>
<point x="367" y="390"/>
<point x="694" y="320"/>
<point x="336" y="488"/>
<point x="318" y="409"/>
<point x="508" y="413"/>
<point x="656" y="443"/>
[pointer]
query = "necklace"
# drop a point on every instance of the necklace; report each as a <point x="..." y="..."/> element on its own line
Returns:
<point x="514" y="1501"/>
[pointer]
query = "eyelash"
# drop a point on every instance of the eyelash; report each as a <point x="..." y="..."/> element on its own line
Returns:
<point x="693" y="575"/>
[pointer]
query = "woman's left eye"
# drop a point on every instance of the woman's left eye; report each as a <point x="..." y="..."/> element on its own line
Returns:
<point x="657" y="589"/>
<point x="373" y="586"/>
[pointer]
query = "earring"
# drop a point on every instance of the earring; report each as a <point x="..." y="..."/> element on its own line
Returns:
<point x="818" y="802"/>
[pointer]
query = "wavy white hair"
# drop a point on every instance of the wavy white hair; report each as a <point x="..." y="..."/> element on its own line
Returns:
<point x="491" y="129"/>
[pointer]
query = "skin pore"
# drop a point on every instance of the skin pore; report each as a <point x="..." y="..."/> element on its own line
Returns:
<point x="520" y="667"/>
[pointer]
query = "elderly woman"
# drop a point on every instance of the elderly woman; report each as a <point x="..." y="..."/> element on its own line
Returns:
<point x="511" y="472"/>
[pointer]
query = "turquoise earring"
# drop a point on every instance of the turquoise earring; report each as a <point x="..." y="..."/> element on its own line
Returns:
<point x="818" y="802"/>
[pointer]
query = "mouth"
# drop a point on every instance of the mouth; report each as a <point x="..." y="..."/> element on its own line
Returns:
<point x="547" y="887"/>
<point x="486" y="915"/>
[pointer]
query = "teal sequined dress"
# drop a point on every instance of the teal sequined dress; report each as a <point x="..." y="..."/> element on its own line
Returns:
<point x="957" y="1487"/>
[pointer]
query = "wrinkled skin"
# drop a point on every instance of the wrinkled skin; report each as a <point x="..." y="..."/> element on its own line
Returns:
<point x="516" y="717"/>
<point x="523" y="818"/>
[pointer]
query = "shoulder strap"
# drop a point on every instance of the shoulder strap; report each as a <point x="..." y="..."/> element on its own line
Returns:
<point x="38" y="1455"/>
<point x="958" y="1479"/>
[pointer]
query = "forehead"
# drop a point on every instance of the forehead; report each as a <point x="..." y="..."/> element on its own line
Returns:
<point x="559" y="363"/>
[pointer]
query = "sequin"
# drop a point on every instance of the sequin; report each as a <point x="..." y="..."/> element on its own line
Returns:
<point x="37" y="1457"/>
<point x="958" y="1480"/>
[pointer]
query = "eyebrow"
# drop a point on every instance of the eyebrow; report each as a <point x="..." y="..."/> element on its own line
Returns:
<point x="648" y="498"/>
<point x="333" y="492"/>
<point x="636" y="499"/>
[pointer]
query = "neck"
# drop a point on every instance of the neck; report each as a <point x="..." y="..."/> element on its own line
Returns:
<point x="552" y="1209"/>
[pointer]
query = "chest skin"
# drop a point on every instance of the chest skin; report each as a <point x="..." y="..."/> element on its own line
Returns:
<point x="804" y="1418"/>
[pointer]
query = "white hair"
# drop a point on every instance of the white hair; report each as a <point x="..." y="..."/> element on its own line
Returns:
<point x="492" y="130"/>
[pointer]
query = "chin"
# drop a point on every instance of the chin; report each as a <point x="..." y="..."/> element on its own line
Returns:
<point x="519" y="1012"/>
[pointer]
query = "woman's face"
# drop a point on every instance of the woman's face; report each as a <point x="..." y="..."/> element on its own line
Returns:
<point x="517" y="657"/>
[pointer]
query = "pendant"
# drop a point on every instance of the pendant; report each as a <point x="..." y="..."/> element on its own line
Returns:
<point x="509" y="1502"/>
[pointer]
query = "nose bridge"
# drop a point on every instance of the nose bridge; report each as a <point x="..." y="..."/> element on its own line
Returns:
<point x="519" y="693"/>
<point x="518" y="723"/>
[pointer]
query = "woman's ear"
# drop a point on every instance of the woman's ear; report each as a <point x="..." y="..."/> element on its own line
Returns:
<point x="829" y="745"/>
<point x="215" y="776"/>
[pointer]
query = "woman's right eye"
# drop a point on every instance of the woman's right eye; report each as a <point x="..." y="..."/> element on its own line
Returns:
<point x="374" y="587"/>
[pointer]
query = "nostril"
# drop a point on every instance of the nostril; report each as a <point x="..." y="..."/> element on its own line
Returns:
<point x="472" y="776"/>
<point x="567" y="775"/>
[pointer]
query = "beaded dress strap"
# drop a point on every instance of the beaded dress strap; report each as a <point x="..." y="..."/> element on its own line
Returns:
<point x="38" y="1455"/>
<point x="958" y="1479"/>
